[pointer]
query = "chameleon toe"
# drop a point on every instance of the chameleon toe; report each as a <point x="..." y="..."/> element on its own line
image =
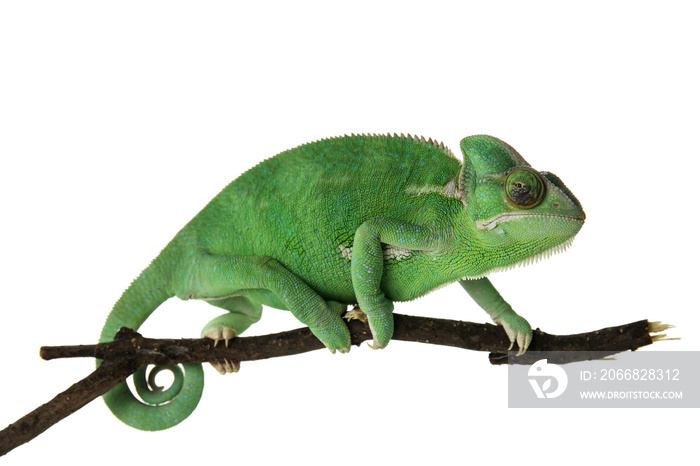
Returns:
<point x="219" y="334"/>
<point x="226" y="366"/>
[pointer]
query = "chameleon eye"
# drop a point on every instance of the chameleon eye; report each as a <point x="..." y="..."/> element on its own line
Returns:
<point x="524" y="188"/>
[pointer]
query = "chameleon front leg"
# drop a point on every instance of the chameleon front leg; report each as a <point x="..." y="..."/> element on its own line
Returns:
<point x="367" y="267"/>
<point x="517" y="328"/>
<point x="220" y="278"/>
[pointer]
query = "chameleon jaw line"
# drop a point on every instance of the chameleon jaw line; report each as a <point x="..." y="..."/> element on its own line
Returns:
<point x="493" y="222"/>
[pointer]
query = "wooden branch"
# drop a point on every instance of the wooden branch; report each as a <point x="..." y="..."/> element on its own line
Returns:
<point x="130" y="351"/>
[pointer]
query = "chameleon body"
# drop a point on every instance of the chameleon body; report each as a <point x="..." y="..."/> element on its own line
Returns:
<point x="357" y="220"/>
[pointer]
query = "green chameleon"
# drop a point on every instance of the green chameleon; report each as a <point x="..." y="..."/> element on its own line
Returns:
<point x="361" y="219"/>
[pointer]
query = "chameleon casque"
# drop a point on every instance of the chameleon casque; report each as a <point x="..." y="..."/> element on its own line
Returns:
<point x="356" y="220"/>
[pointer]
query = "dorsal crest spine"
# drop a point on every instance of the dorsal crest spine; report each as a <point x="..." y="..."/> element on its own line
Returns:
<point x="421" y="139"/>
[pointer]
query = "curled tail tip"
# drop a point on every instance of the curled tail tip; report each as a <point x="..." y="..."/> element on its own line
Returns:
<point x="162" y="409"/>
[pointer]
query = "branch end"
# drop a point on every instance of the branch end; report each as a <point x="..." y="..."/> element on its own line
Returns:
<point x="658" y="327"/>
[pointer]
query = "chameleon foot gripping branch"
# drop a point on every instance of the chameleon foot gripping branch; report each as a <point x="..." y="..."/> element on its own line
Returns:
<point x="377" y="219"/>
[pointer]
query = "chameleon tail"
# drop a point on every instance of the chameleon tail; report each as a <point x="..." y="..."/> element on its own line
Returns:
<point x="162" y="408"/>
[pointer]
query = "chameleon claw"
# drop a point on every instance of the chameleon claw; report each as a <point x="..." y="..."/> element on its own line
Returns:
<point x="376" y="335"/>
<point x="224" y="334"/>
<point x="375" y="345"/>
<point x="220" y="333"/>
<point x="219" y="368"/>
<point x="523" y="343"/>
<point x="518" y="331"/>
<point x="356" y="314"/>
<point x="226" y="366"/>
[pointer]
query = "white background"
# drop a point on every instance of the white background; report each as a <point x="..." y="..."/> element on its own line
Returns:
<point x="120" y="120"/>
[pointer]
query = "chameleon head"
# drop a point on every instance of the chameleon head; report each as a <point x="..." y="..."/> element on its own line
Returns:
<point x="517" y="213"/>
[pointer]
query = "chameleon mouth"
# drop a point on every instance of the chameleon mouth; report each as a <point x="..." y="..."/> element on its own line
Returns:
<point x="493" y="222"/>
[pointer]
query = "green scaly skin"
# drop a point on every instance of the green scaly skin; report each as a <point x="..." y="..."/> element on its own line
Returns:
<point x="360" y="219"/>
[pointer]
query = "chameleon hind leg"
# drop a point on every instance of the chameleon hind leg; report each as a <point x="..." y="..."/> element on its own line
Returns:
<point x="242" y="313"/>
<point x="217" y="278"/>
